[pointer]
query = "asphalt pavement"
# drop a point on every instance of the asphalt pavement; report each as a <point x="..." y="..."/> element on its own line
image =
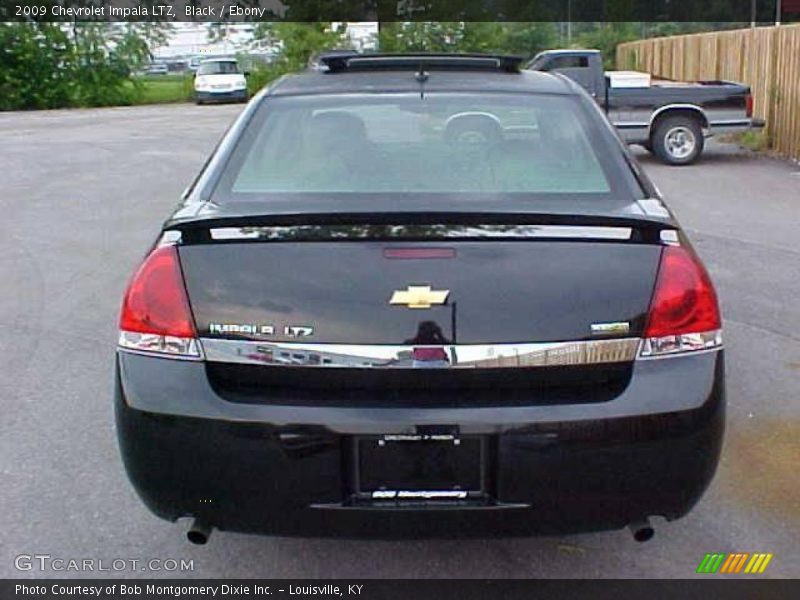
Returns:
<point x="83" y="193"/>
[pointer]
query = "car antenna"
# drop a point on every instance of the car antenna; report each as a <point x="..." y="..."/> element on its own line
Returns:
<point x="422" y="77"/>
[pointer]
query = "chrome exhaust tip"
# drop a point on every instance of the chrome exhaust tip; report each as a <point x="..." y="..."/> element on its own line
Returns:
<point x="198" y="533"/>
<point x="642" y="531"/>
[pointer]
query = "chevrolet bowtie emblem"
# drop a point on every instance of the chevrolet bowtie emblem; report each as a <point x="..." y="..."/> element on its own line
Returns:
<point x="419" y="296"/>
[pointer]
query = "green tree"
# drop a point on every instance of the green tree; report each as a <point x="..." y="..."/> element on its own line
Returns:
<point x="35" y="66"/>
<point x="298" y="42"/>
<point x="605" y="37"/>
<point x="100" y="77"/>
<point x="439" y="36"/>
<point x="528" y="39"/>
<point x="46" y="65"/>
<point x="134" y="42"/>
<point x="524" y="39"/>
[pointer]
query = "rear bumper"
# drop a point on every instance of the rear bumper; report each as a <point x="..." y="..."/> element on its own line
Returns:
<point x="290" y="476"/>
<point x="733" y="127"/>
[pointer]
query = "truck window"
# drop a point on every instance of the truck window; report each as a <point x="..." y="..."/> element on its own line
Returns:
<point x="566" y="62"/>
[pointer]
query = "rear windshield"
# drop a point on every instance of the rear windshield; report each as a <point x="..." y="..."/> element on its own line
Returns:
<point x="218" y="68"/>
<point x="407" y="144"/>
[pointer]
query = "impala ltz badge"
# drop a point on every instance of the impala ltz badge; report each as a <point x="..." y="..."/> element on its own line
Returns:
<point x="298" y="331"/>
<point x="294" y="331"/>
<point x="240" y="329"/>
<point x="419" y="296"/>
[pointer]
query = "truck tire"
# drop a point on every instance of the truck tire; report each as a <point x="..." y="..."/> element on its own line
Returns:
<point x="678" y="140"/>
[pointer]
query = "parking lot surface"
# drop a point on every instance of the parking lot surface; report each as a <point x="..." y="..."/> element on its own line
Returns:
<point x="83" y="194"/>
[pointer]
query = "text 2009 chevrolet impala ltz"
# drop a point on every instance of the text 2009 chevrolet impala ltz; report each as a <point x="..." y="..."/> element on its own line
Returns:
<point x="420" y="295"/>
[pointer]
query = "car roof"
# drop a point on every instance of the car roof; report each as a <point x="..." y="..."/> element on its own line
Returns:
<point x="220" y="59"/>
<point x="372" y="81"/>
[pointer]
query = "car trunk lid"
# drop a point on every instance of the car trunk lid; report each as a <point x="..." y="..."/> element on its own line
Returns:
<point x="421" y="284"/>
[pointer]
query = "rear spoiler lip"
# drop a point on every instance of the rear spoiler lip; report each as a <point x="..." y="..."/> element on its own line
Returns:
<point x="418" y="218"/>
<point x="199" y="230"/>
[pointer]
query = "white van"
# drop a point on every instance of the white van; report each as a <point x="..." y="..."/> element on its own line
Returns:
<point x="219" y="80"/>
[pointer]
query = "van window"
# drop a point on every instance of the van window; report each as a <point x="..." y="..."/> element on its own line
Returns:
<point x="218" y="68"/>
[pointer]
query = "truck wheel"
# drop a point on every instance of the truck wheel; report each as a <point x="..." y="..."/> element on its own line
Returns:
<point x="678" y="140"/>
<point x="472" y="129"/>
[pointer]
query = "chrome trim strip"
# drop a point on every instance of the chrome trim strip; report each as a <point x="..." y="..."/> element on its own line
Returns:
<point x="419" y="495"/>
<point x="462" y="356"/>
<point x="682" y="354"/>
<point x="125" y="350"/>
<point x="624" y="125"/>
<point x="333" y="232"/>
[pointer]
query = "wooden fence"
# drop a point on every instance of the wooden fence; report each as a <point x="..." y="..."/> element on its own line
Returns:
<point x="765" y="58"/>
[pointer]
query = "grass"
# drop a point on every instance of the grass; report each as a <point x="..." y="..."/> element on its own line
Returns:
<point x="161" y="89"/>
<point x="754" y="140"/>
<point x="167" y="89"/>
<point x="178" y="87"/>
<point x="757" y="141"/>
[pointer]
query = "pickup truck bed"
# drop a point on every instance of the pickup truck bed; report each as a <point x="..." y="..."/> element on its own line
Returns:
<point x="669" y="118"/>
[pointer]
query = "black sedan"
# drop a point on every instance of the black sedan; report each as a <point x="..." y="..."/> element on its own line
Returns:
<point x="420" y="296"/>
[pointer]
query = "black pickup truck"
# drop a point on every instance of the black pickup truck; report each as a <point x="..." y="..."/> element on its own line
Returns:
<point x="669" y="118"/>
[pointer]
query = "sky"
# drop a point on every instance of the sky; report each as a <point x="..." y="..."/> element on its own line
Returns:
<point x="192" y="38"/>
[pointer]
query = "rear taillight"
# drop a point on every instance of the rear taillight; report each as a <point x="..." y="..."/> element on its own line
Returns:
<point x="749" y="105"/>
<point x="684" y="314"/>
<point x="155" y="314"/>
